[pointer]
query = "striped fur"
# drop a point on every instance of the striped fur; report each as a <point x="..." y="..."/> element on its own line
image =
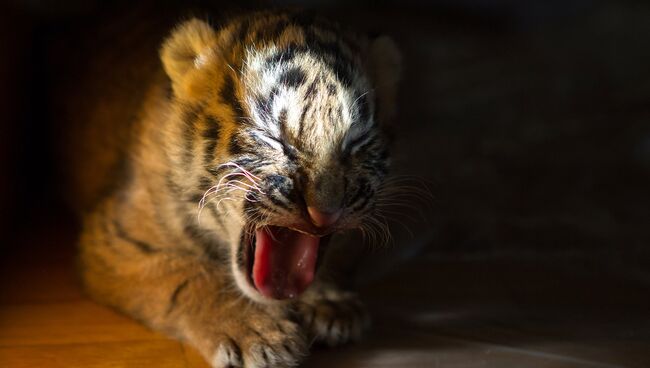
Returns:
<point x="265" y="116"/>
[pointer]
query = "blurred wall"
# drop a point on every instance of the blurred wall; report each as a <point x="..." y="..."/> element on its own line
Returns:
<point x="533" y="115"/>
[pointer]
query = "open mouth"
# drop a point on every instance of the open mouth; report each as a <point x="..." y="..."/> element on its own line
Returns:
<point x="282" y="262"/>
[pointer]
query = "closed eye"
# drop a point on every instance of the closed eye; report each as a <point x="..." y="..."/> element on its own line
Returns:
<point x="357" y="143"/>
<point x="276" y="144"/>
<point x="269" y="141"/>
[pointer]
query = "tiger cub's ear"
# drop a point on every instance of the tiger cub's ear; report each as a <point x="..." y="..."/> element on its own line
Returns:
<point x="385" y="65"/>
<point x="188" y="48"/>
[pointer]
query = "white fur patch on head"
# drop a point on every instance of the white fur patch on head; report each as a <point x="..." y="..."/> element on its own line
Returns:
<point x="316" y="108"/>
<point x="290" y="101"/>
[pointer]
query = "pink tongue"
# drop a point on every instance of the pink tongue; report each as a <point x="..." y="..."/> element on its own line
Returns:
<point x="285" y="262"/>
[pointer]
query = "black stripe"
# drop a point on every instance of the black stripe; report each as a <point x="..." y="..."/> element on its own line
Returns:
<point x="192" y="231"/>
<point x="273" y="32"/>
<point x="189" y="117"/>
<point x="228" y="95"/>
<point x="217" y="172"/>
<point x="263" y="206"/>
<point x="330" y="52"/>
<point x="276" y="201"/>
<point x="282" y="122"/>
<point x="343" y="70"/>
<point x="290" y="152"/>
<point x="362" y="187"/>
<point x="309" y="96"/>
<point x="199" y="238"/>
<point x="343" y="67"/>
<point x="301" y="122"/>
<point x="169" y="91"/>
<point x="212" y="134"/>
<point x="364" y="107"/>
<point x="293" y="77"/>
<point x="369" y="142"/>
<point x="205" y="183"/>
<point x="242" y="31"/>
<point x="331" y="89"/>
<point x="244" y="161"/>
<point x="172" y="185"/>
<point x="311" y="89"/>
<point x="280" y="183"/>
<point x="195" y="197"/>
<point x="263" y="104"/>
<point x="379" y="169"/>
<point x="285" y="55"/>
<point x="364" y="202"/>
<point x="253" y="168"/>
<point x="241" y="250"/>
<point x="330" y="114"/>
<point x="239" y="39"/>
<point x="173" y="299"/>
<point x="122" y="234"/>
<point x="234" y="146"/>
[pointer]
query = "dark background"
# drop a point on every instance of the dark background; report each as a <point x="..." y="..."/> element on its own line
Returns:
<point x="530" y="119"/>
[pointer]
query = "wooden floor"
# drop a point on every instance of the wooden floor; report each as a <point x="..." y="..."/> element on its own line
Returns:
<point x="435" y="312"/>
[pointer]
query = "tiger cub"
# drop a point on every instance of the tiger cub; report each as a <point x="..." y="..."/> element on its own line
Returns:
<point x="264" y="138"/>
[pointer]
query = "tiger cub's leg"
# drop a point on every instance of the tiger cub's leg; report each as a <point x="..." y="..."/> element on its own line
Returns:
<point x="331" y="315"/>
<point x="188" y="297"/>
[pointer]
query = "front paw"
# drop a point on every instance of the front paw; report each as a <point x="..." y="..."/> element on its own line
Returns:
<point x="331" y="315"/>
<point x="259" y="339"/>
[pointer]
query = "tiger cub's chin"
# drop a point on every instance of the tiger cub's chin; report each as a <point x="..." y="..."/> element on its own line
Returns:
<point x="270" y="140"/>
